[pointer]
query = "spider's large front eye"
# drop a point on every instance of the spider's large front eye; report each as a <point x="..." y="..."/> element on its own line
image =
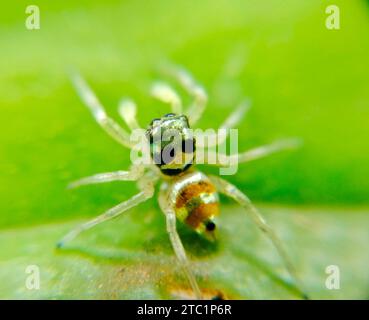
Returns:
<point x="188" y="145"/>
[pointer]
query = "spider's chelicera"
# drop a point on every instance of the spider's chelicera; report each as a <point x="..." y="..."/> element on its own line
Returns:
<point x="186" y="194"/>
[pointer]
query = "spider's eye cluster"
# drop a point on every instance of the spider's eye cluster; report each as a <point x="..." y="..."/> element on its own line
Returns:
<point x="172" y="145"/>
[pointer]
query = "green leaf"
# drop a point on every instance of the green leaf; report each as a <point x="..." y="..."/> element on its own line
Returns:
<point x="131" y="257"/>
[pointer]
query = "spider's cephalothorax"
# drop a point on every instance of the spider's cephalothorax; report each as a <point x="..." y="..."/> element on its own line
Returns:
<point x="186" y="195"/>
<point x="172" y="145"/>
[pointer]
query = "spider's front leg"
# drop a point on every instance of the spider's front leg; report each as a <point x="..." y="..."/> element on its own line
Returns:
<point x="207" y="141"/>
<point x="234" y="193"/>
<point x="200" y="98"/>
<point x="177" y="243"/>
<point x="98" y="112"/>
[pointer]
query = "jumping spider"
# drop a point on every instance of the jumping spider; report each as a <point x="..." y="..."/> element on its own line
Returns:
<point x="186" y="194"/>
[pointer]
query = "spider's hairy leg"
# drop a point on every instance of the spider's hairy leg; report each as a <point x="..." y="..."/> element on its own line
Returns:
<point x="252" y="154"/>
<point x="134" y="174"/>
<point x="98" y="111"/>
<point x="234" y="193"/>
<point x="147" y="192"/>
<point x="198" y="93"/>
<point x="165" y="93"/>
<point x="177" y="244"/>
<point x="231" y="121"/>
<point x="128" y="111"/>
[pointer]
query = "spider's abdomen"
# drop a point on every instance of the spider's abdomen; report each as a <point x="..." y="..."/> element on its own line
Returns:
<point x="196" y="203"/>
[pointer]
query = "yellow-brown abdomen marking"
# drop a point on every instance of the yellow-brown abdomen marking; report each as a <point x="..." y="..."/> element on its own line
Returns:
<point x="197" y="203"/>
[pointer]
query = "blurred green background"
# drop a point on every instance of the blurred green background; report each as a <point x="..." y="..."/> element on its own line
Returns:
<point x="303" y="80"/>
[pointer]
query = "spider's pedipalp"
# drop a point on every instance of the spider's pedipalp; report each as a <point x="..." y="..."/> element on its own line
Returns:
<point x="98" y="111"/>
<point x="128" y="111"/>
<point x="165" y="93"/>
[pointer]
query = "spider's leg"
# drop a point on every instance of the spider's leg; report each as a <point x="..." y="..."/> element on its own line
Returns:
<point x="180" y="252"/>
<point x="98" y="111"/>
<point x="236" y="116"/>
<point x="198" y="93"/>
<point x="134" y="174"/>
<point x="266" y="150"/>
<point x="165" y="93"/>
<point x="128" y="111"/>
<point x="178" y="246"/>
<point x="250" y="155"/>
<point x="234" y="193"/>
<point x="146" y="193"/>
<point x="232" y="120"/>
